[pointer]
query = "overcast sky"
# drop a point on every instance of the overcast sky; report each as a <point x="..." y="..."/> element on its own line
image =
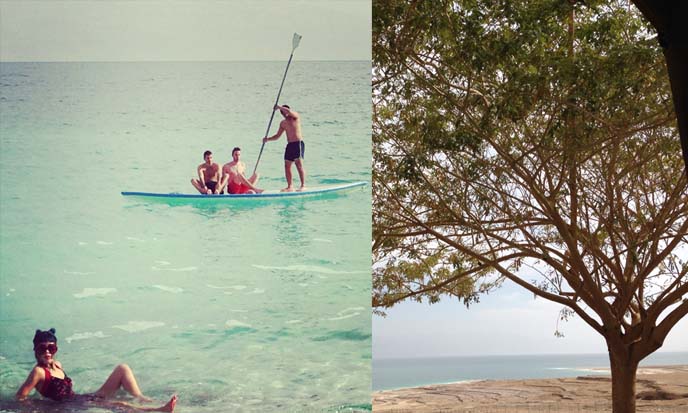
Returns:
<point x="506" y="322"/>
<point x="173" y="30"/>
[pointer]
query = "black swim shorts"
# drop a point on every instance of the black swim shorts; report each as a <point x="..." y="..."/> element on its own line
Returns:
<point x="211" y="185"/>
<point x="294" y="151"/>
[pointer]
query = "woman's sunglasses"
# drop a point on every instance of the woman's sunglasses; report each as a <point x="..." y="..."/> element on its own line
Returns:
<point x="41" y="348"/>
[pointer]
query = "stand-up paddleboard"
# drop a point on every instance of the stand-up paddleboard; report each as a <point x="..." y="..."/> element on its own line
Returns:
<point x="267" y="195"/>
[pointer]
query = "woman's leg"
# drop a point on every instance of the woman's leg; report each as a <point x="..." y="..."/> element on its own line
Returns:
<point x="123" y="377"/>
<point x="169" y="407"/>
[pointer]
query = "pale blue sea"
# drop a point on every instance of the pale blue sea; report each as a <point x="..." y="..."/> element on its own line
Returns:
<point x="234" y="307"/>
<point x="413" y="372"/>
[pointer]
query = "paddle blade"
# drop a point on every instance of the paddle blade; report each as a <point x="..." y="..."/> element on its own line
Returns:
<point x="295" y="41"/>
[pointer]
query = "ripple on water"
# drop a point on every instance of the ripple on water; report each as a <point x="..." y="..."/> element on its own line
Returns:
<point x="183" y="269"/>
<point x="78" y="272"/>
<point x="136" y="326"/>
<point x="226" y="287"/>
<point x="307" y="268"/>
<point x="230" y="324"/>
<point x="175" y="290"/>
<point x="85" y="336"/>
<point x="94" y="292"/>
<point x="347" y="335"/>
<point x="347" y="313"/>
<point x="233" y="327"/>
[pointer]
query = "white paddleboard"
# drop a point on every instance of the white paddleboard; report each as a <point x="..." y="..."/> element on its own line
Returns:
<point x="268" y="194"/>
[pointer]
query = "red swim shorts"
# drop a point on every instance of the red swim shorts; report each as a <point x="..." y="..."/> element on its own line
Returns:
<point x="234" y="188"/>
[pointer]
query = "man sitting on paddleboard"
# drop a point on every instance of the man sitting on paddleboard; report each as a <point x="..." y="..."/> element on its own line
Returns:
<point x="208" y="176"/>
<point x="294" y="152"/>
<point x="233" y="176"/>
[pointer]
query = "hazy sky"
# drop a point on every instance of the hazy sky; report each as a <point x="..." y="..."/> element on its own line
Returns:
<point x="508" y="321"/>
<point x="184" y="30"/>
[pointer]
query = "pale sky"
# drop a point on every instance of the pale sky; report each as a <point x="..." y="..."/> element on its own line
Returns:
<point x="174" y="30"/>
<point x="506" y="322"/>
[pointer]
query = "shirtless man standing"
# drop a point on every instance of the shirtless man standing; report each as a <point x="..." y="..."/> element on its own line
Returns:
<point x="208" y="176"/>
<point x="233" y="176"/>
<point x="294" y="153"/>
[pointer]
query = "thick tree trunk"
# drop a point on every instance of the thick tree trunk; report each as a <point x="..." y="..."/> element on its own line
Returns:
<point x="623" y="381"/>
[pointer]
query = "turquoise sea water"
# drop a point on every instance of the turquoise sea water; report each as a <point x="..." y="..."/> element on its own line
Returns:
<point x="412" y="372"/>
<point x="246" y="307"/>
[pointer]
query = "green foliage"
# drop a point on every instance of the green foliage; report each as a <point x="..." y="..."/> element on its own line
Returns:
<point x="522" y="140"/>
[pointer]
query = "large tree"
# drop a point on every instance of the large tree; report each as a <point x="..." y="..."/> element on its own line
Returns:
<point x="530" y="141"/>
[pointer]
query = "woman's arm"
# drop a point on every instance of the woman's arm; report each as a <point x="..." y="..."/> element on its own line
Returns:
<point x="35" y="377"/>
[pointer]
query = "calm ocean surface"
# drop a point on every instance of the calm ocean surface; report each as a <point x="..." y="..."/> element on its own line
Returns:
<point x="400" y="373"/>
<point x="246" y="307"/>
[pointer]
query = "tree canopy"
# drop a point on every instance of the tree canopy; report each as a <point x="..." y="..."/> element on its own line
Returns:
<point x="530" y="141"/>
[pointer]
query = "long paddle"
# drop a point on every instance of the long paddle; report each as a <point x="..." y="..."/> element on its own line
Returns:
<point x="295" y="43"/>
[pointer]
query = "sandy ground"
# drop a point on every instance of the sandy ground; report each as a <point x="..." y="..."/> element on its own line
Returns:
<point x="659" y="389"/>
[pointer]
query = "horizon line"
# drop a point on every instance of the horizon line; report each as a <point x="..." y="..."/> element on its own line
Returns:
<point x="514" y="355"/>
<point x="179" y="61"/>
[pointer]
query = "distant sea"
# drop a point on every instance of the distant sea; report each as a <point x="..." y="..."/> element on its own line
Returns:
<point x="412" y="372"/>
<point x="234" y="307"/>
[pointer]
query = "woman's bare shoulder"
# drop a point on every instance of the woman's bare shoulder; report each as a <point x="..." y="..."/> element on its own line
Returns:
<point x="37" y="371"/>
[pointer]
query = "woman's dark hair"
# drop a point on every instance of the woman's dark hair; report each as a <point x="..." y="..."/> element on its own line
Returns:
<point x="44" y="336"/>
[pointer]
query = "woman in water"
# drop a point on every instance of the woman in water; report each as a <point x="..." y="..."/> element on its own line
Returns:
<point x="50" y="380"/>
